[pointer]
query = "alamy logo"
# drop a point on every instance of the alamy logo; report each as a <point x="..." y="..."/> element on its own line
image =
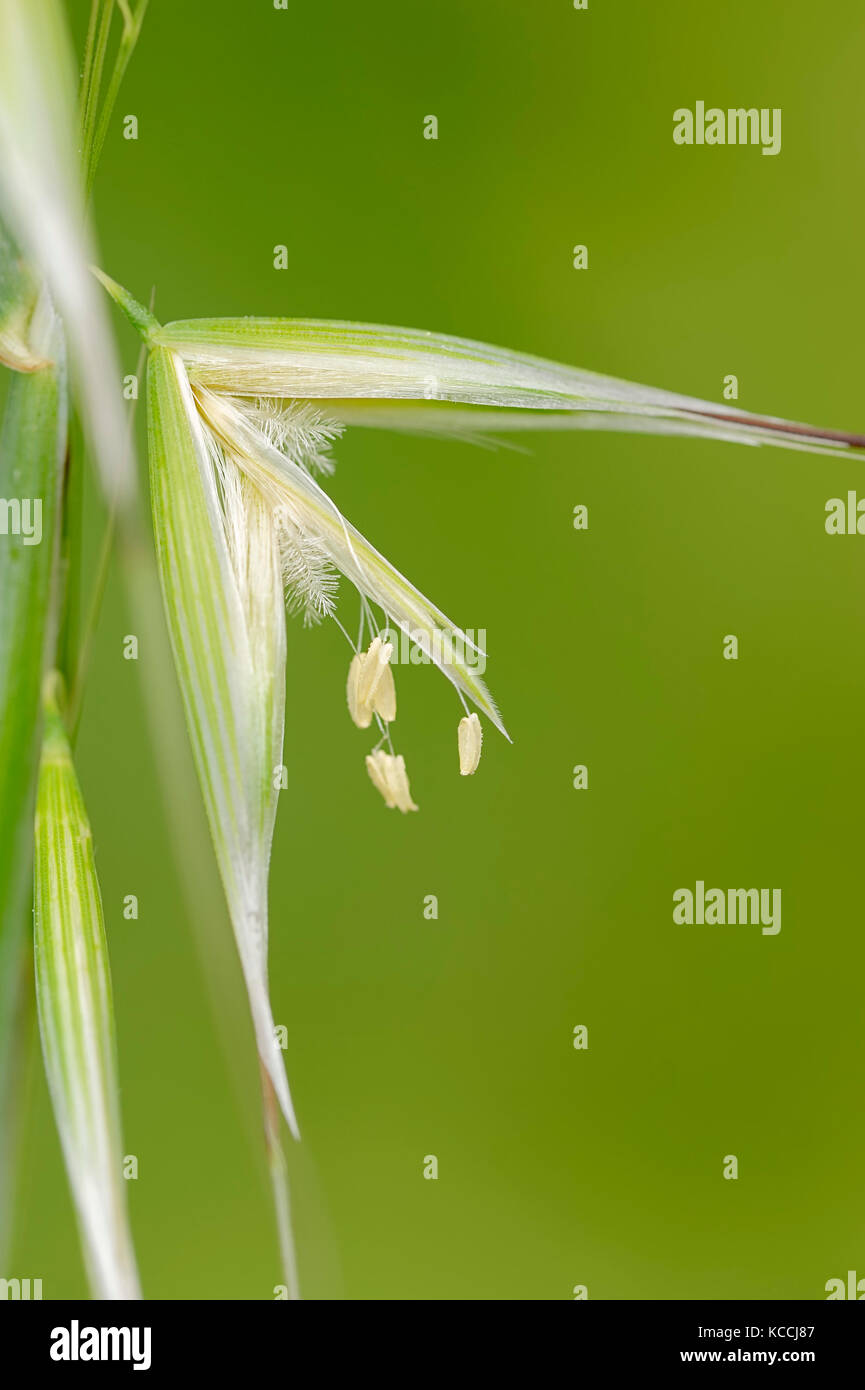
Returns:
<point x="75" y="1343"/>
<point x="735" y="126"/>
<point x="854" y="1287"/>
<point x="845" y="519"/>
<point x="444" y="646"/>
<point x="719" y="907"/>
<point x="21" y="516"/>
<point x="23" y="1289"/>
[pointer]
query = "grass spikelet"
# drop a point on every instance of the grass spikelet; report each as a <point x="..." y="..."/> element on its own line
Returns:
<point x="222" y="590"/>
<point x="73" y="990"/>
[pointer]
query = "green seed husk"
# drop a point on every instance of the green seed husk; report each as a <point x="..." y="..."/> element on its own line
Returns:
<point x="76" y="1016"/>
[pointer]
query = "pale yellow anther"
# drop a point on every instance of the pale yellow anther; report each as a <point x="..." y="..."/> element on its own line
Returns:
<point x="376" y="766"/>
<point x="371" y="688"/>
<point x="469" y="736"/>
<point x="384" y="700"/>
<point x="387" y="773"/>
<point x="361" y="714"/>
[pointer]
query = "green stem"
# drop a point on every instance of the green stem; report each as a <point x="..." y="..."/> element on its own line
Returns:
<point x="16" y="1073"/>
<point x="87" y="69"/>
<point x="131" y="29"/>
<point x="76" y="678"/>
<point x="94" y="62"/>
<point x="72" y="508"/>
<point x="32" y="449"/>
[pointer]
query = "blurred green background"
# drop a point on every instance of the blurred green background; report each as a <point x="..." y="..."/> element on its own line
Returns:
<point x="410" y="1037"/>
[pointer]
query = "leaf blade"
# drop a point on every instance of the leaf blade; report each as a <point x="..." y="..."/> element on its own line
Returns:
<point x="32" y="448"/>
<point x="42" y="202"/>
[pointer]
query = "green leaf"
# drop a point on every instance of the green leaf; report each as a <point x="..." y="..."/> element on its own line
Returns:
<point x="76" y="1017"/>
<point x="93" y="131"/>
<point x="32" y="449"/>
<point x="40" y="193"/>
<point x="17" y="297"/>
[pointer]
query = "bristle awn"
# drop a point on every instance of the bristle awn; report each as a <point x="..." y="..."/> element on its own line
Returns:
<point x="279" y="1186"/>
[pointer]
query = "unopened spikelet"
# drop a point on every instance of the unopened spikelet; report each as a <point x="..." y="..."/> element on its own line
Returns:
<point x="76" y="1017"/>
<point x="388" y="775"/>
<point x="469" y="737"/>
